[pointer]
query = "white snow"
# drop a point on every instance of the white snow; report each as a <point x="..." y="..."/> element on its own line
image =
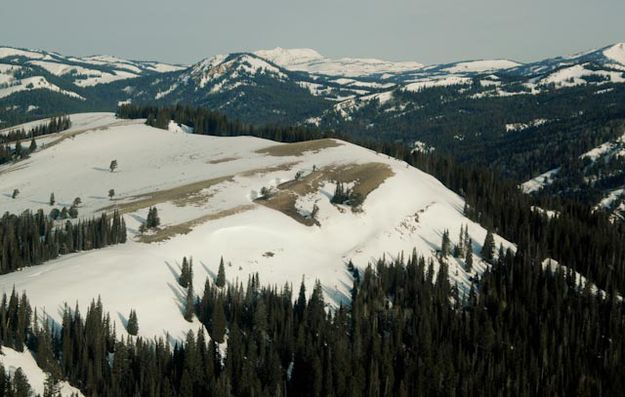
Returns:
<point x="574" y="76"/>
<point x="311" y="61"/>
<point x="179" y="128"/>
<point x="35" y="83"/>
<point x="409" y="210"/>
<point x="616" y="53"/>
<point x="437" y="82"/>
<point x="482" y="66"/>
<point x="86" y="77"/>
<point x="12" y="360"/>
<point x="515" y="127"/>
<point x="537" y="183"/>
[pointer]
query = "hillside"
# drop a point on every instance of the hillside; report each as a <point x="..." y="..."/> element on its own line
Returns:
<point x="207" y="191"/>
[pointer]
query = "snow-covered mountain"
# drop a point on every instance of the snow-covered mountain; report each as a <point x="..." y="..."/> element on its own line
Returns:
<point x="208" y="194"/>
<point x="286" y="85"/>
<point x="307" y="60"/>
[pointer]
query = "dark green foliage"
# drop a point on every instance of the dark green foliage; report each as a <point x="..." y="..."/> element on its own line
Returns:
<point x="186" y="273"/>
<point x="445" y="244"/>
<point x="488" y="248"/>
<point x="220" y="281"/>
<point x="189" y="303"/>
<point x="31" y="239"/>
<point x="133" y="323"/>
<point x="20" y="387"/>
<point x="468" y="260"/>
<point x="152" y="221"/>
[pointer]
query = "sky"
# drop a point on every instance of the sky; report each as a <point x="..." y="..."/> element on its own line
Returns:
<point x="426" y="31"/>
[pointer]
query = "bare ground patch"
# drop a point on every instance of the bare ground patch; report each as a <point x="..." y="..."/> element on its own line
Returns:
<point x="366" y="178"/>
<point x="222" y="160"/>
<point x="180" y="196"/>
<point x="299" y="148"/>
<point x="168" y="232"/>
<point x="189" y="194"/>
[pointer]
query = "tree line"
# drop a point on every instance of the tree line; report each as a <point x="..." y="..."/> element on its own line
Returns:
<point x="7" y="154"/>
<point x="30" y="239"/>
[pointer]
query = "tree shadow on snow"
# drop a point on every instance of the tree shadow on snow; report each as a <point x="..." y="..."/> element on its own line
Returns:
<point x="173" y="271"/>
<point x="210" y="273"/>
<point x="123" y="319"/>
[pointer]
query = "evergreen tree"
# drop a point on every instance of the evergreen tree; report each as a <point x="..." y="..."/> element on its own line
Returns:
<point x="445" y="245"/>
<point x="51" y="387"/>
<point x="186" y="273"/>
<point x="218" y="322"/>
<point x="133" y="323"/>
<point x="21" y="387"/>
<point x="468" y="261"/>
<point x="488" y="248"/>
<point x="113" y="165"/>
<point x="33" y="146"/>
<point x="189" y="305"/>
<point x="52" y="199"/>
<point x="220" y="281"/>
<point x="153" y="220"/>
<point x="16" y="192"/>
<point x="111" y="194"/>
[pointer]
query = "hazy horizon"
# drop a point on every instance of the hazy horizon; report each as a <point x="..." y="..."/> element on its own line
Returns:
<point x="427" y="31"/>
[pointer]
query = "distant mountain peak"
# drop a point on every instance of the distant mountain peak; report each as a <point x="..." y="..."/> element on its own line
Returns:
<point x="285" y="56"/>
<point x="616" y="53"/>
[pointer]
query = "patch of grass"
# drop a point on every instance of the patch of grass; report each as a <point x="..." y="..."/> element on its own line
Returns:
<point x="222" y="160"/>
<point x="180" y="195"/>
<point x="366" y="178"/>
<point x="189" y="194"/>
<point x="167" y="232"/>
<point x="299" y="148"/>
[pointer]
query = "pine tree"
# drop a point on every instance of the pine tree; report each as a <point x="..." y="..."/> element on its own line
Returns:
<point x="186" y="273"/>
<point x="153" y="219"/>
<point x="52" y="199"/>
<point x="489" y="247"/>
<point x="33" y="145"/>
<point x="18" y="150"/>
<point x="218" y="321"/>
<point x="21" y="386"/>
<point x="113" y="165"/>
<point x="189" y="305"/>
<point x="220" y="281"/>
<point x="111" y="194"/>
<point x="51" y="387"/>
<point x="133" y="323"/>
<point x="16" y="192"/>
<point x="469" y="257"/>
<point x="445" y="245"/>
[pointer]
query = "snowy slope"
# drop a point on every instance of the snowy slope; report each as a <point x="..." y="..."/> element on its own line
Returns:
<point x="12" y="360"/>
<point x="204" y="188"/>
<point x="307" y="60"/>
<point x="83" y="72"/>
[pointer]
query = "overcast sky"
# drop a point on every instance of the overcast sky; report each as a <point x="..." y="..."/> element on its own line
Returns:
<point x="427" y="31"/>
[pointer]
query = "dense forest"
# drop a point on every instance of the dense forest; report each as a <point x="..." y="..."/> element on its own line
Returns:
<point x="408" y="332"/>
<point x="30" y="239"/>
